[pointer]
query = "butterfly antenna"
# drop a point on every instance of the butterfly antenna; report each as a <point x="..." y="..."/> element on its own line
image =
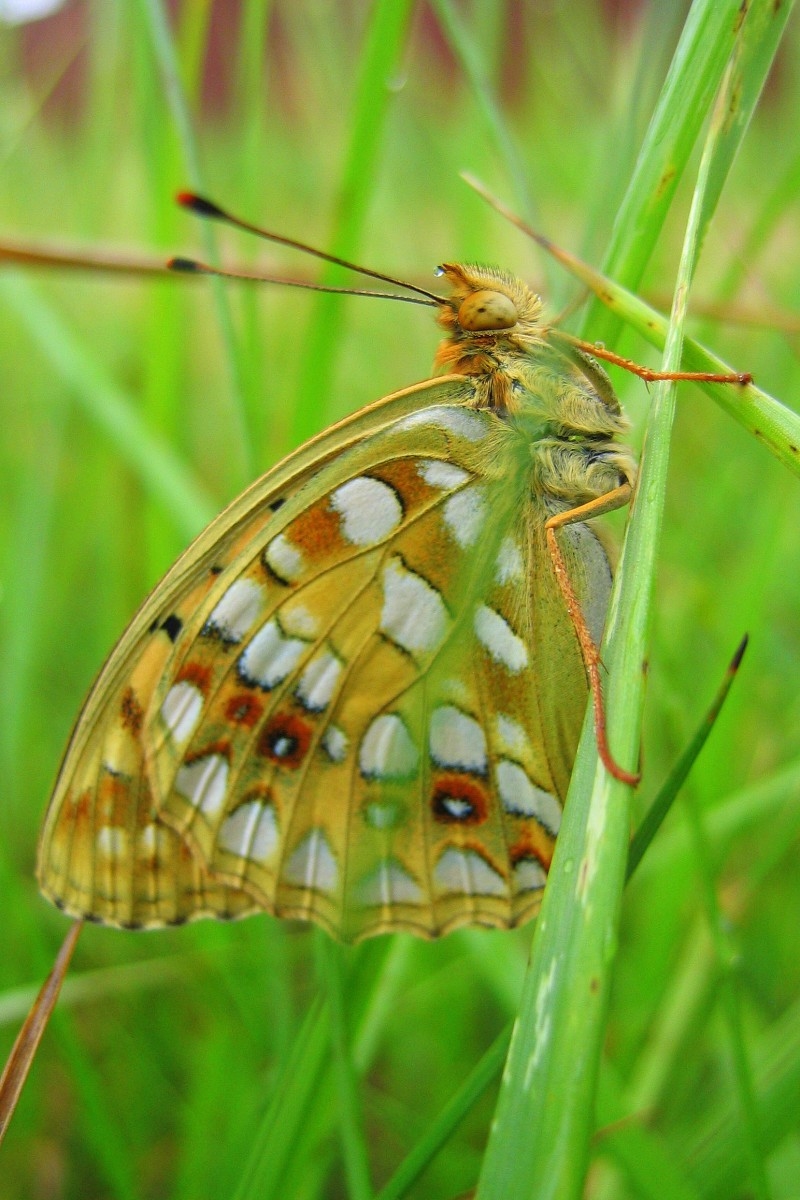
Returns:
<point x="203" y="207"/>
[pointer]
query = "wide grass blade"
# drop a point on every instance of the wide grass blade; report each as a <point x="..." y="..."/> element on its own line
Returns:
<point x="540" y="1141"/>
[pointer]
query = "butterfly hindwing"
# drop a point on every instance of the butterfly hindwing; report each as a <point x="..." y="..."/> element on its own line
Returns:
<point x="345" y="729"/>
<point x="356" y="697"/>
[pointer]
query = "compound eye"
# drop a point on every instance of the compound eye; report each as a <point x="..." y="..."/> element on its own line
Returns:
<point x="487" y="310"/>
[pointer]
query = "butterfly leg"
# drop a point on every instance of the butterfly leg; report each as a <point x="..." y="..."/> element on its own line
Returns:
<point x="589" y="651"/>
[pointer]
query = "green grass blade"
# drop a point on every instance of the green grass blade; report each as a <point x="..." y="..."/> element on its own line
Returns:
<point x="774" y="425"/>
<point x="705" y="46"/>
<point x="480" y="1077"/>
<point x="273" y="1142"/>
<point x="111" y="410"/>
<point x="714" y="1153"/>
<point x="645" y="1161"/>
<point x="384" y="44"/>
<point x="354" y="1146"/>
<point x="238" y="456"/>
<point x="663" y="801"/>
<point x="540" y="1142"/>
<point x="471" y="57"/>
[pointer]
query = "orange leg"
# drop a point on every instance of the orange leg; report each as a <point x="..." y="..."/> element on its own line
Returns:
<point x="649" y="375"/>
<point x="591" y="656"/>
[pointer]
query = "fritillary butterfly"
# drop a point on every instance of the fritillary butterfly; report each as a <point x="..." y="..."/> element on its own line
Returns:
<point x="356" y="697"/>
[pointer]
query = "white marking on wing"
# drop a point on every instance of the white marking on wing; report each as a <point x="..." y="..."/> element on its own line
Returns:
<point x="369" y="509"/>
<point x="312" y="864"/>
<point x="284" y="559"/>
<point x="251" y="831"/>
<point x="464" y="515"/>
<point x="529" y="875"/>
<point x="204" y="783"/>
<point x="390" y="883"/>
<point x="298" y="621"/>
<point x="387" y="750"/>
<point x="334" y="743"/>
<point x="318" y="681"/>
<point x="511" y="736"/>
<point x="112" y="841"/>
<point x="270" y="656"/>
<point x="439" y="474"/>
<point x="456" y="740"/>
<point x="181" y="709"/>
<point x="510" y="565"/>
<point x="413" y="615"/>
<point x="237" y="610"/>
<point x="462" y="421"/>
<point x="495" y="633"/>
<point x="466" y="873"/>
<point x="521" y="798"/>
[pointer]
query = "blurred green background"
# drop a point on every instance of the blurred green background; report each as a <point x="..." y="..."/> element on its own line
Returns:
<point x="134" y="407"/>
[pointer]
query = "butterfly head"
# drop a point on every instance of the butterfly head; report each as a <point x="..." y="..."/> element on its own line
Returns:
<point x="486" y="301"/>
<point x="488" y="316"/>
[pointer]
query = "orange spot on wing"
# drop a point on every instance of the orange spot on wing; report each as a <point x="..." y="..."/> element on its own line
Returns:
<point x="285" y="740"/>
<point x="316" y="532"/>
<point x="243" y="709"/>
<point x="222" y="747"/>
<point x="113" y="800"/>
<point x="131" y="712"/>
<point x="458" y="801"/>
<point x="535" y="844"/>
<point x="403" y="475"/>
<point x="196" y="673"/>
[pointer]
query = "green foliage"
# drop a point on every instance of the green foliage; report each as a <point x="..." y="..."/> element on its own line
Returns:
<point x="259" y="1059"/>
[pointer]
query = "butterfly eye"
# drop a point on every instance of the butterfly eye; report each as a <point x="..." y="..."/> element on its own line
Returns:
<point x="487" y="310"/>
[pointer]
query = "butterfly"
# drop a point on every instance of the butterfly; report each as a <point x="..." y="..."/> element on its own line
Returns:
<point x="356" y="697"/>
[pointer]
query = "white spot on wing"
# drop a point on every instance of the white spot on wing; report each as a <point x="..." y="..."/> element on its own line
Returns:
<point x="495" y="633"/>
<point x="511" y="736"/>
<point x="457" y="740"/>
<point x="466" y="873"/>
<point x="318" y="681"/>
<point x="270" y="656"/>
<point x="386" y="750"/>
<point x="439" y="474"/>
<point x="284" y="559"/>
<point x="204" y="783"/>
<point x="312" y="864"/>
<point x="509" y="561"/>
<point x="369" y="509"/>
<point x="529" y="875"/>
<point x="522" y="798"/>
<point x="464" y="514"/>
<point x="238" y="609"/>
<point x="251" y="831"/>
<point x="153" y="841"/>
<point x="413" y="615"/>
<point x="334" y="743"/>
<point x="112" y="841"/>
<point x="298" y="621"/>
<point x="181" y="710"/>
<point x="390" y="883"/>
<point x="464" y="422"/>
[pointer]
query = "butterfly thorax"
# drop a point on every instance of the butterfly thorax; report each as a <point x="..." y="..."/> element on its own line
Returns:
<point x="559" y="399"/>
